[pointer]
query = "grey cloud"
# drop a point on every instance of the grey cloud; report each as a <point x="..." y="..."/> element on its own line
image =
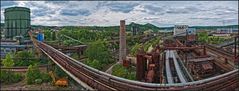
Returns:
<point x="118" y="6"/>
<point x="70" y="12"/>
<point x="58" y="2"/>
<point x="229" y="20"/>
<point x="183" y="10"/>
<point x="155" y="10"/>
<point x="41" y="12"/>
<point x="206" y="18"/>
<point x="225" y="11"/>
<point x="150" y="18"/>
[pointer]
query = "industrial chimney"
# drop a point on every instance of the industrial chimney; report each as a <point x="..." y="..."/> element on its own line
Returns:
<point x="122" y="50"/>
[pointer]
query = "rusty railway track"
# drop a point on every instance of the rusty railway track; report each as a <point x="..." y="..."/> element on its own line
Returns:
<point x="220" y="51"/>
<point x="103" y="81"/>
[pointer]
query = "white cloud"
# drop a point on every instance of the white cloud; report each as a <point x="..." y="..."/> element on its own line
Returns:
<point x="161" y="13"/>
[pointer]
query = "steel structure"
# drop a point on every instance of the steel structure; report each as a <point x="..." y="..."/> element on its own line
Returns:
<point x="103" y="81"/>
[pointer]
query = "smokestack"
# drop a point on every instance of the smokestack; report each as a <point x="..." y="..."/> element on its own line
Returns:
<point x="122" y="50"/>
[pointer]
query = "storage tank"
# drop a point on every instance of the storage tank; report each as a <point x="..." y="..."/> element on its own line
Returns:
<point x="17" y="21"/>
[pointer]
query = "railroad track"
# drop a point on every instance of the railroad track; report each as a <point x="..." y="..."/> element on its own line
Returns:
<point x="173" y="69"/>
<point x="219" y="50"/>
<point x="103" y="81"/>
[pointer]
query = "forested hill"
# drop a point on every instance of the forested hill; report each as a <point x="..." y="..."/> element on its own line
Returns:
<point x="141" y="27"/>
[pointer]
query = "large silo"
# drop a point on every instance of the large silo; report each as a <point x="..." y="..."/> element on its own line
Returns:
<point x="17" y="21"/>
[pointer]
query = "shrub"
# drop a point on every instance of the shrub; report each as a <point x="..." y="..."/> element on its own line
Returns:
<point x="8" y="62"/>
<point x="32" y="73"/>
<point x="121" y="71"/>
<point x="45" y="77"/>
<point x="38" y="81"/>
<point x="9" y="77"/>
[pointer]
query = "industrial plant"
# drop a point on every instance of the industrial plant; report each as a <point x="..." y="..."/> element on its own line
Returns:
<point x="128" y="56"/>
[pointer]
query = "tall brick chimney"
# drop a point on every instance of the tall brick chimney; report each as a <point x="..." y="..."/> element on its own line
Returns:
<point x="122" y="50"/>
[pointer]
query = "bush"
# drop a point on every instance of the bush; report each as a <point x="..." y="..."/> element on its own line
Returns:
<point x="38" y="81"/>
<point x="45" y="77"/>
<point x="120" y="71"/>
<point x="23" y="58"/>
<point x="9" y="77"/>
<point x="8" y="62"/>
<point x="95" y="64"/>
<point x="32" y="73"/>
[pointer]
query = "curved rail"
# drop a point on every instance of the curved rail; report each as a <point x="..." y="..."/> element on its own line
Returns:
<point x="168" y="69"/>
<point x="103" y="81"/>
<point x="178" y="69"/>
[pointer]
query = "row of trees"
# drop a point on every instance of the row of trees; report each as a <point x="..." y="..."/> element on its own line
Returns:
<point x="87" y="35"/>
<point x="22" y="58"/>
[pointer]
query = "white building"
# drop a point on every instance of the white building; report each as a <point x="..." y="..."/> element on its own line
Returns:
<point x="180" y="30"/>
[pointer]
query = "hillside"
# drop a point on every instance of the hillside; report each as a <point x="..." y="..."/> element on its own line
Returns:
<point x="141" y="27"/>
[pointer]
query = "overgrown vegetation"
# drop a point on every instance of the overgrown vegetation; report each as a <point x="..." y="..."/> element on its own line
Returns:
<point x="145" y="46"/>
<point x="204" y="38"/>
<point x="24" y="58"/>
<point x="121" y="71"/>
<point x="98" y="54"/>
<point x="34" y="75"/>
<point x="7" y="76"/>
<point x="8" y="61"/>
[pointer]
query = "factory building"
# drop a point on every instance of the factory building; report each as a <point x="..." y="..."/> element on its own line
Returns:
<point x="180" y="30"/>
<point x="183" y="32"/>
<point x="17" y="22"/>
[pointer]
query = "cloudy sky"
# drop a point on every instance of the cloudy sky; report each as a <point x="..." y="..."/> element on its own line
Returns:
<point x="104" y="13"/>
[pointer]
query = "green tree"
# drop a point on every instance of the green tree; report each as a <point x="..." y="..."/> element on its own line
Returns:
<point x="47" y="34"/>
<point x="32" y="74"/>
<point x="8" y="62"/>
<point x="24" y="58"/>
<point x="98" y="50"/>
<point x="203" y="37"/>
<point x="98" y="54"/>
<point x="8" y="76"/>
